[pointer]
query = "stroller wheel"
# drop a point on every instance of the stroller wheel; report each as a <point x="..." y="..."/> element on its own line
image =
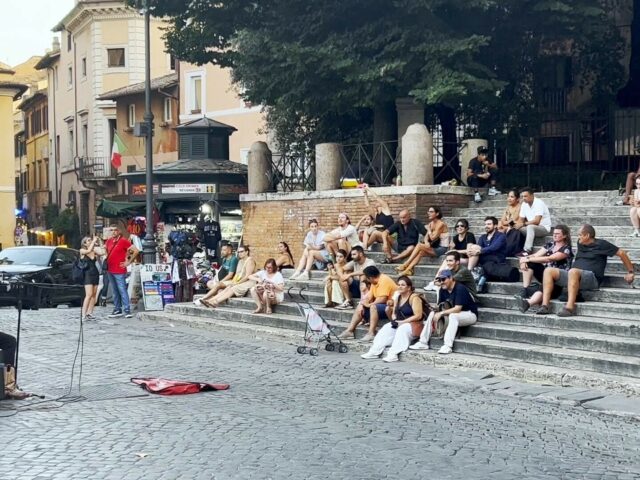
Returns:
<point x="343" y="349"/>
<point x="302" y="350"/>
<point x="313" y="352"/>
<point x="329" y="347"/>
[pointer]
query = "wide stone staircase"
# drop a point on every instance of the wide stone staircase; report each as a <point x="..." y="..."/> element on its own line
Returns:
<point x="603" y="339"/>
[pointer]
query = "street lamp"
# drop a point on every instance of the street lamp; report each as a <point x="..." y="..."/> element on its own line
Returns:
<point x="149" y="242"/>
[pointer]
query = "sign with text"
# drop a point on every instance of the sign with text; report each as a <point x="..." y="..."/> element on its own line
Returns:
<point x="177" y="188"/>
<point x="157" y="288"/>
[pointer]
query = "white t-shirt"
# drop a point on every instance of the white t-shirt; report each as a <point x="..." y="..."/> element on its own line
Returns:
<point x="317" y="240"/>
<point x="538" y="208"/>
<point x="349" y="233"/>
<point x="276" y="278"/>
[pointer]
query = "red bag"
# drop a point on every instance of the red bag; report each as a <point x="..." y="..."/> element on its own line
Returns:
<point x="163" y="386"/>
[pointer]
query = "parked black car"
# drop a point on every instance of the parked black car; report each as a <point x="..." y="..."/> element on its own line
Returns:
<point x="43" y="265"/>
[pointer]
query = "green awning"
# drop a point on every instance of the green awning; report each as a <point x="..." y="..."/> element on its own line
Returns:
<point x="113" y="209"/>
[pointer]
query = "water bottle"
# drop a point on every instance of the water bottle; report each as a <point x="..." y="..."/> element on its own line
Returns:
<point x="481" y="284"/>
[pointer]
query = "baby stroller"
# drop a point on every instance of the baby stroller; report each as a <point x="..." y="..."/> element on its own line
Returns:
<point x="316" y="328"/>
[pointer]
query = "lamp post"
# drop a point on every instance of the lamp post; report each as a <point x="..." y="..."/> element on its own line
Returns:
<point x="149" y="243"/>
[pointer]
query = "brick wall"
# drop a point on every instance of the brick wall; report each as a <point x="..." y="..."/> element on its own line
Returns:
<point x="274" y="217"/>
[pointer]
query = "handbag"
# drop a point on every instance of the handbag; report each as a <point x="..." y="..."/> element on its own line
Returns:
<point x="105" y="267"/>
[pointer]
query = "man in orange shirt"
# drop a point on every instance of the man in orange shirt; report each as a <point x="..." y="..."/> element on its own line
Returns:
<point x="372" y="307"/>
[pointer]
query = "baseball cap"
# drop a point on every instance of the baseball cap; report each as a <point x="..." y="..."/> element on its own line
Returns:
<point x="444" y="274"/>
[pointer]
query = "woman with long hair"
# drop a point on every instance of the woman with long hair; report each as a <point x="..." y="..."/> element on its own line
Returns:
<point x="333" y="294"/>
<point x="515" y="240"/>
<point x="557" y="254"/>
<point x="406" y="310"/>
<point x="284" y="258"/>
<point x="314" y="251"/>
<point x="89" y="249"/>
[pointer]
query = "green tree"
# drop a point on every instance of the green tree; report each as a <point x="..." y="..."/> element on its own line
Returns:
<point x="326" y="72"/>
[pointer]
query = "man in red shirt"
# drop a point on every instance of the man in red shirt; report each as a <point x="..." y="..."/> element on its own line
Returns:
<point x="119" y="253"/>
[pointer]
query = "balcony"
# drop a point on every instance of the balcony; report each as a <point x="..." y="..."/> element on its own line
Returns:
<point x="553" y="100"/>
<point x="96" y="169"/>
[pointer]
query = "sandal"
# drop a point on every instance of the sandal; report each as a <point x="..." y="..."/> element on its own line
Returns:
<point x="566" y="312"/>
<point x="400" y="268"/>
<point x="543" y="310"/>
<point x="387" y="260"/>
<point x="408" y="272"/>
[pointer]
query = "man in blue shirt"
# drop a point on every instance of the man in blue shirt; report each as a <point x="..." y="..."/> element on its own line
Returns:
<point x="462" y="312"/>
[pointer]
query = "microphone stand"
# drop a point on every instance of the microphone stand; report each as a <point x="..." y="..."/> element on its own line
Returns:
<point x="19" y="307"/>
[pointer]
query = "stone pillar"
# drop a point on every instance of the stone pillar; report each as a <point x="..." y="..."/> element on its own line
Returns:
<point x="259" y="168"/>
<point x="328" y="166"/>
<point x="417" y="156"/>
<point x="409" y="113"/>
<point x="469" y="151"/>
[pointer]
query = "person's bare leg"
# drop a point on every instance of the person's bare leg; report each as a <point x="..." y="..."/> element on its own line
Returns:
<point x="257" y="299"/>
<point x="628" y="187"/>
<point x="268" y="304"/>
<point x="223" y="296"/>
<point x="634" y="215"/>
<point x="373" y="319"/>
<point x="527" y="276"/>
<point x="548" y="281"/>
<point x="473" y="262"/>
<point x="536" y="299"/>
<point x="87" y="299"/>
<point x="344" y="286"/>
<point x="386" y="244"/>
<point x="356" y="319"/>
<point x="93" y="300"/>
<point x="404" y="254"/>
<point x="573" y="287"/>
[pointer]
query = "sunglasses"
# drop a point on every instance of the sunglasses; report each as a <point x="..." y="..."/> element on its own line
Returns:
<point x="461" y="226"/>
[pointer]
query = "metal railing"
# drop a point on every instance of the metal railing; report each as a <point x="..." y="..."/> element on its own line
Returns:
<point x="553" y="100"/>
<point x="377" y="164"/>
<point x="293" y="172"/>
<point x="96" y="168"/>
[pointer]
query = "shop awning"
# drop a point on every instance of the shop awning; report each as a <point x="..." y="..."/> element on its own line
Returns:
<point x="115" y="209"/>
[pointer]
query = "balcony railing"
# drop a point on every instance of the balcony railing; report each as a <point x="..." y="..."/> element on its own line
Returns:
<point x="96" y="168"/>
<point x="553" y="100"/>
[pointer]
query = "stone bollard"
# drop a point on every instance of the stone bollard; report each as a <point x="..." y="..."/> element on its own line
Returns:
<point x="469" y="151"/>
<point x="259" y="168"/>
<point x="417" y="156"/>
<point x="328" y="166"/>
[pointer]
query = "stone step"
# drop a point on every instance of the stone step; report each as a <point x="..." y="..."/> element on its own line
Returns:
<point x="556" y="200"/>
<point x="629" y="327"/>
<point x="535" y="354"/>
<point x="586" y="211"/>
<point x="572" y="221"/>
<point x="557" y="357"/>
<point x="612" y="194"/>
<point x="592" y="342"/>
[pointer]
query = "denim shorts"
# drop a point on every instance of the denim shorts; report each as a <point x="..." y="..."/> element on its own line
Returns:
<point x="382" y="312"/>
<point x="588" y="280"/>
<point x="440" y="251"/>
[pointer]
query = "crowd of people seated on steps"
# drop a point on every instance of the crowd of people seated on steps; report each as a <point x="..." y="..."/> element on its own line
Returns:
<point x="354" y="282"/>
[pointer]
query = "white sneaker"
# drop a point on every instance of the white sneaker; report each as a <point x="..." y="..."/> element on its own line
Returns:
<point x="369" y="355"/>
<point x="445" y="350"/>
<point x="431" y="287"/>
<point x="303" y="276"/>
<point x="419" y="346"/>
<point x="493" y="191"/>
<point x="346" y="305"/>
<point x="197" y="302"/>
<point x="390" y="358"/>
<point x="635" y="234"/>
<point x="294" y="276"/>
<point x="477" y="197"/>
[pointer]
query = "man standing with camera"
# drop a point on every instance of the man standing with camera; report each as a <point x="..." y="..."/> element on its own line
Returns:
<point x="120" y="253"/>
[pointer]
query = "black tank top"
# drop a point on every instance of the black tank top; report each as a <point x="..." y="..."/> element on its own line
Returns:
<point x="385" y="220"/>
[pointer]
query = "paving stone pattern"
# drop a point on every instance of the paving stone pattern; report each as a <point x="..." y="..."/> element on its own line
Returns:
<point x="285" y="416"/>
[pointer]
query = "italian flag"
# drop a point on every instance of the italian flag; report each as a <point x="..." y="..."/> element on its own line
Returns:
<point x="117" y="150"/>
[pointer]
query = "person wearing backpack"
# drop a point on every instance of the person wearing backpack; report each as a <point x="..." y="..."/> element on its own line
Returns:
<point x="120" y="251"/>
<point x="89" y="249"/>
<point x="407" y="311"/>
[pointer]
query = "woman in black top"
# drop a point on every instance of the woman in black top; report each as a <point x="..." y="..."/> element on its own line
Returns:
<point x="89" y="250"/>
<point x="381" y="213"/>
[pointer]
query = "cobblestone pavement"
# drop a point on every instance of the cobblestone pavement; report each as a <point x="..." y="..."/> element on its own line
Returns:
<point x="285" y="416"/>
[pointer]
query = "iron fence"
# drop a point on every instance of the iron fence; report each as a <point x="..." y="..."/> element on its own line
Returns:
<point x="293" y="172"/>
<point x="377" y="164"/>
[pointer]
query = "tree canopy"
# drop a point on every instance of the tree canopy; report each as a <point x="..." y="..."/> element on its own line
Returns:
<point x="323" y="68"/>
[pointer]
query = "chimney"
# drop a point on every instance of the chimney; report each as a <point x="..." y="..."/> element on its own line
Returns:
<point x="55" y="45"/>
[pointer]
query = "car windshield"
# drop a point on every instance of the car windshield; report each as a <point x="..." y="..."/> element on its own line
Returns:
<point x="25" y="256"/>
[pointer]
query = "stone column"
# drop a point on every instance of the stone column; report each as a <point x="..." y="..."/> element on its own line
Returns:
<point x="259" y="168"/>
<point x="328" y="166"/>
<point x="469" y="151"/>
<point x="409" y="113"/>
<point x="417" y="156"/>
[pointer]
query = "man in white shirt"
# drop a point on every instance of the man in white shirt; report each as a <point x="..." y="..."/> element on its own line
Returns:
<point x="345" y="236"/>
<point x="534" y="221"/>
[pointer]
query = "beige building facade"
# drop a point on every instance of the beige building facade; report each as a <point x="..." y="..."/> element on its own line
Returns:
<point x="208" y="90"/>
<point x="101" y="48"/>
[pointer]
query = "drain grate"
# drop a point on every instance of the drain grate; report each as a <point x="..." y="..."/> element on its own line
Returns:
<point x="94" y="393"/>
